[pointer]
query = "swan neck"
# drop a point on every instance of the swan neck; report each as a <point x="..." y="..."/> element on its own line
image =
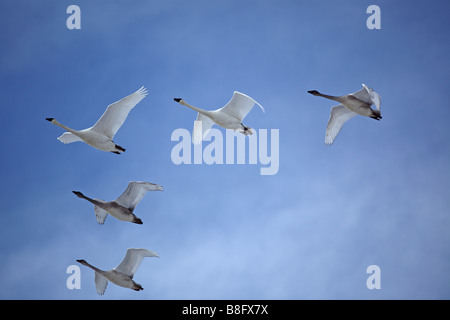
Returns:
<point x="193" y="107"/>
<point x="65" y="127"/>
<point x="92" y="267"/>
<point x="94" y="202"/>
<point x="326" y="96"/>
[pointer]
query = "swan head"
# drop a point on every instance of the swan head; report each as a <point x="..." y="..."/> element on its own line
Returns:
<point x="83" y="262"/>
<point x="314" y="92"/>
<point x="182" y="102"/>
<point x="53" y="120"/>
<point x="78" y="194"/>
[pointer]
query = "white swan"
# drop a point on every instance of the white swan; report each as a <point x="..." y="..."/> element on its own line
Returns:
<point x="123" y="274"/>
<point x="100" y="135"/>
<point x="229" y="117"/>
<point x="122" y="208"/>
<point x="351" y="105"/>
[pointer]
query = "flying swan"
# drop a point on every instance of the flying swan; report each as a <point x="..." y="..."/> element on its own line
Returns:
<point x="100" y="135"/>
<point x="351" y="105"/>
<point x="122" y="275"/>
<point x="122" y="208"/>
<point x="228" y="117"/>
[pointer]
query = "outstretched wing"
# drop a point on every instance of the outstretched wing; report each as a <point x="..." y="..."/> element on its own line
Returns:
<point x="368" y="96"/>
<point x="338" y="116"/>
<point x="116" y="113"/>
<point x="100" y="283"/>
<point x="100" y="214"/>
<point x="68" y="137"/>
<point x="201" y="128"/>
<point x="135" y="192"/>
<point x="375" y="97"/>
<point x="239" y="106"/>
<point x="363" y="95"/>
<point x="133" y="259"/>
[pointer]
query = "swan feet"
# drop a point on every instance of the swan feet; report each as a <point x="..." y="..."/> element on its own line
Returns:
<point x="118" y="148"/>
<point x="246" y="131"/>
<point x="376" y="115"/>
<point x="137" y="220"/>
<point x="137" y="287"/>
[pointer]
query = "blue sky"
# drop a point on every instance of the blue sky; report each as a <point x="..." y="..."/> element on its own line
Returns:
<point x="379" y="195"/>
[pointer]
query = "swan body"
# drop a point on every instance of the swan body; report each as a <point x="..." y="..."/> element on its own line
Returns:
<point x="100" y="135"/>
<point x="123" y="274"/>
<point x="229" y="117"/>
<point x="358" y="103"/>
<point x="122" y="208"/>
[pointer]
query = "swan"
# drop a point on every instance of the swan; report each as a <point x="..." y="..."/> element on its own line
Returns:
<point x="122" y="208"/>
<point x="122" y="275"/>
<point x="100" y="135"/>
<point x="229" y="117"/>
<point x="351" y="105"/>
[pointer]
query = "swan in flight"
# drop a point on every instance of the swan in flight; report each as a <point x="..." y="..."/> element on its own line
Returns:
<point x="122" y="275"/>
<point x="122" y="208"/>
<point x="100" y="135"/>
<point x="229" y="117"/>
<point x="351" y="105"/>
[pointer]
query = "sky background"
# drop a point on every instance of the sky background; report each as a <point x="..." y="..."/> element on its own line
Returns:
<point x="379" y="195"/>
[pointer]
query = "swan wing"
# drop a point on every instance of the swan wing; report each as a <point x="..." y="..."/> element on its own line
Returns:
<point x="68" y="137"/>
<point x="134" y="193"/>
<point x="374" y="97"/>
<point x="239" y="106"/>
<point x="201" y="128"/>
<point x="338" y="116"/>
<point x="100" y="214"/>
<point x="100" y="283"/>
<point x="116" y="113"/>
<point x="132" y="261"/>
<point x="363" y="95"/>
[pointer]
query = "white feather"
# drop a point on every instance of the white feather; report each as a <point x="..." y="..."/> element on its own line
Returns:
<point x="134" y="193"/>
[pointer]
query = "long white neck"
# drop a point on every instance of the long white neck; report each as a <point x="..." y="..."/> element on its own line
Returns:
<point x="93" y="201"/>
<point x="193" y="108"/>
<point x="92" y="267"/>
<point x="75" y="132"/>
<point x="326" y="96"/>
